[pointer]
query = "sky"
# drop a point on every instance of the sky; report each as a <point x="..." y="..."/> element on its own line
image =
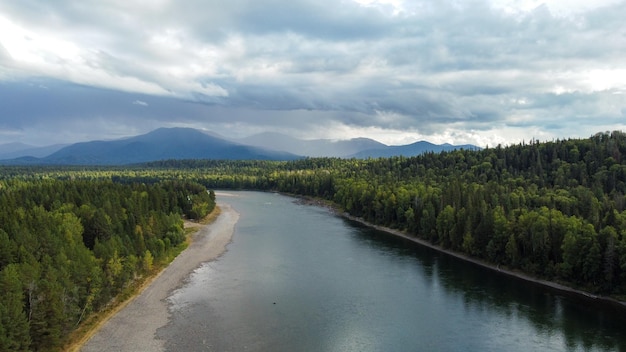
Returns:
<point x="484" y="72"/>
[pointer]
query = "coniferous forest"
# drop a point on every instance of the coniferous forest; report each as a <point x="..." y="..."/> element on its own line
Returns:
<point x="71" y="238"/>
<point x="68" y="246"/>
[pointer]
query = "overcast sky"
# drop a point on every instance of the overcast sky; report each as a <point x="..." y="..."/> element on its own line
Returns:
<point x="455" y="71"/>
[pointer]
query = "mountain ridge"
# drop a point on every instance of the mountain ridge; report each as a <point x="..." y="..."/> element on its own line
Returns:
<point x="312" y="147"/>
<point x="17" y="150"/>
<point x="409" y="150"/>
<point x="159" y="144"/>
<point x="189" y="143"/>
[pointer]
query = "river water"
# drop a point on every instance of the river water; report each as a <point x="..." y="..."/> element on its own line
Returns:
<point x="298" y="278"/>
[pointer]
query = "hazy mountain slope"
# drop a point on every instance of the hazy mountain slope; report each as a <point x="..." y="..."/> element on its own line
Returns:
<point x="188" y="143"/>
<point x="413" y="149"/>
<point x="17" y="150"/>
<point x="312" y="148"/>
<point x="14" y="147"/>
<point x="160" y="144"/>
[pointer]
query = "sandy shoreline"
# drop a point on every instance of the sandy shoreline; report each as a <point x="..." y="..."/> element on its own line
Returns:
<point x="134" y="327"/>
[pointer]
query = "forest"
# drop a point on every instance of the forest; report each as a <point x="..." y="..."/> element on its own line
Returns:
<point x="69" y="245"/>
<point x="71" y="237"/>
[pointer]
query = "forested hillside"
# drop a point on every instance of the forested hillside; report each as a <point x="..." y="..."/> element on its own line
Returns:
<point x="68" y="246"/>
<point x="70" y="238"/>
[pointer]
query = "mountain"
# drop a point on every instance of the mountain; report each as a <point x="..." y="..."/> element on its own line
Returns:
<point x="360" y="148"/>
<point x="408" y="150"/>
<point x="188" y="143"/>
<point x="17" y="150"/>
<point x="314" y="147"/>
<point x="160" y="144"/>
<point x="13" y="147"/>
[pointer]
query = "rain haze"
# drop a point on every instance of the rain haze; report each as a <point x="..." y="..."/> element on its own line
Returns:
<point x="480" y="72"/>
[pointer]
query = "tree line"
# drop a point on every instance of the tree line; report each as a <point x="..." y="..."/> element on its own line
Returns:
<point x="555" y="210"/>
<point x="68" y="246"/>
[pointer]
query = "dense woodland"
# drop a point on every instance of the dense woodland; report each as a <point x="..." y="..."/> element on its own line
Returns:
<point x="72" y="237"/>
<point x="69" y="246"/>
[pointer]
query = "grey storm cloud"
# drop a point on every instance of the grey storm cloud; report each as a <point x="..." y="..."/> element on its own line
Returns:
<point x="475" y="69"/>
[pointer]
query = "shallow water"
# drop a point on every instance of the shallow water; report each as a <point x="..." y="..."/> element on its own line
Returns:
<point x="298" y="278"/>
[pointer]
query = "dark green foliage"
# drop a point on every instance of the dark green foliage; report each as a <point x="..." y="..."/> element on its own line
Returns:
<point x="14" y="334"/>
<point x="68" y="246"/>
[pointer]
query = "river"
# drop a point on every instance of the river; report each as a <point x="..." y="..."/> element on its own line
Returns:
<point x="298" y="278"/>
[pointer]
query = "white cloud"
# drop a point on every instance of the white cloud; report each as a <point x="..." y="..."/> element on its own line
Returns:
<point x="140" y="102"/>
<point x="47" y="54"/>
<point x="556" y="7"/>
<point x="463" y="71"/>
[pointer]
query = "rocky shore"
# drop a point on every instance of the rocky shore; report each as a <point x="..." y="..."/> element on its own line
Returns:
<point x="134" y="327"/>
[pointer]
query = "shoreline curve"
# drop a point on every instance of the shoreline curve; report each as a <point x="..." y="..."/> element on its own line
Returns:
<point x="563" y="289"/>
<point x="518" y="275"/>
<point x="134" y="327"/>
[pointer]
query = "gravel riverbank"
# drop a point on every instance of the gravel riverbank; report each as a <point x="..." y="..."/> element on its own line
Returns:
<point x="134" y="327"/>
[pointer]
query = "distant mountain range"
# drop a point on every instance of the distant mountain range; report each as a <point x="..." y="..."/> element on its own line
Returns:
<point x="315" y="147"/>
<point x="16" y="150"/>
<point x="160" y="144"/>
<point x="188" y="143"/>
<point x="360" y="148"/>
<point x="413" y="149"/>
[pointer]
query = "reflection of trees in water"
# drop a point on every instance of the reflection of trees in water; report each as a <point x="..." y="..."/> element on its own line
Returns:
<point x="581" y="323"/>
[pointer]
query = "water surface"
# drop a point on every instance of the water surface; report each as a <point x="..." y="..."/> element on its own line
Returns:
<point x="298" y="278"/>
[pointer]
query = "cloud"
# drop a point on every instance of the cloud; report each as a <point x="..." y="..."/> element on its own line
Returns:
<point x="4" y="54"/>
<point x="140" y="102"/>
<point x="444" y="69"/>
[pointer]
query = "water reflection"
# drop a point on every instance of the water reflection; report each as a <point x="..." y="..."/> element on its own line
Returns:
<point x="298" y="278"/>
<point x="592" y="325"/>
